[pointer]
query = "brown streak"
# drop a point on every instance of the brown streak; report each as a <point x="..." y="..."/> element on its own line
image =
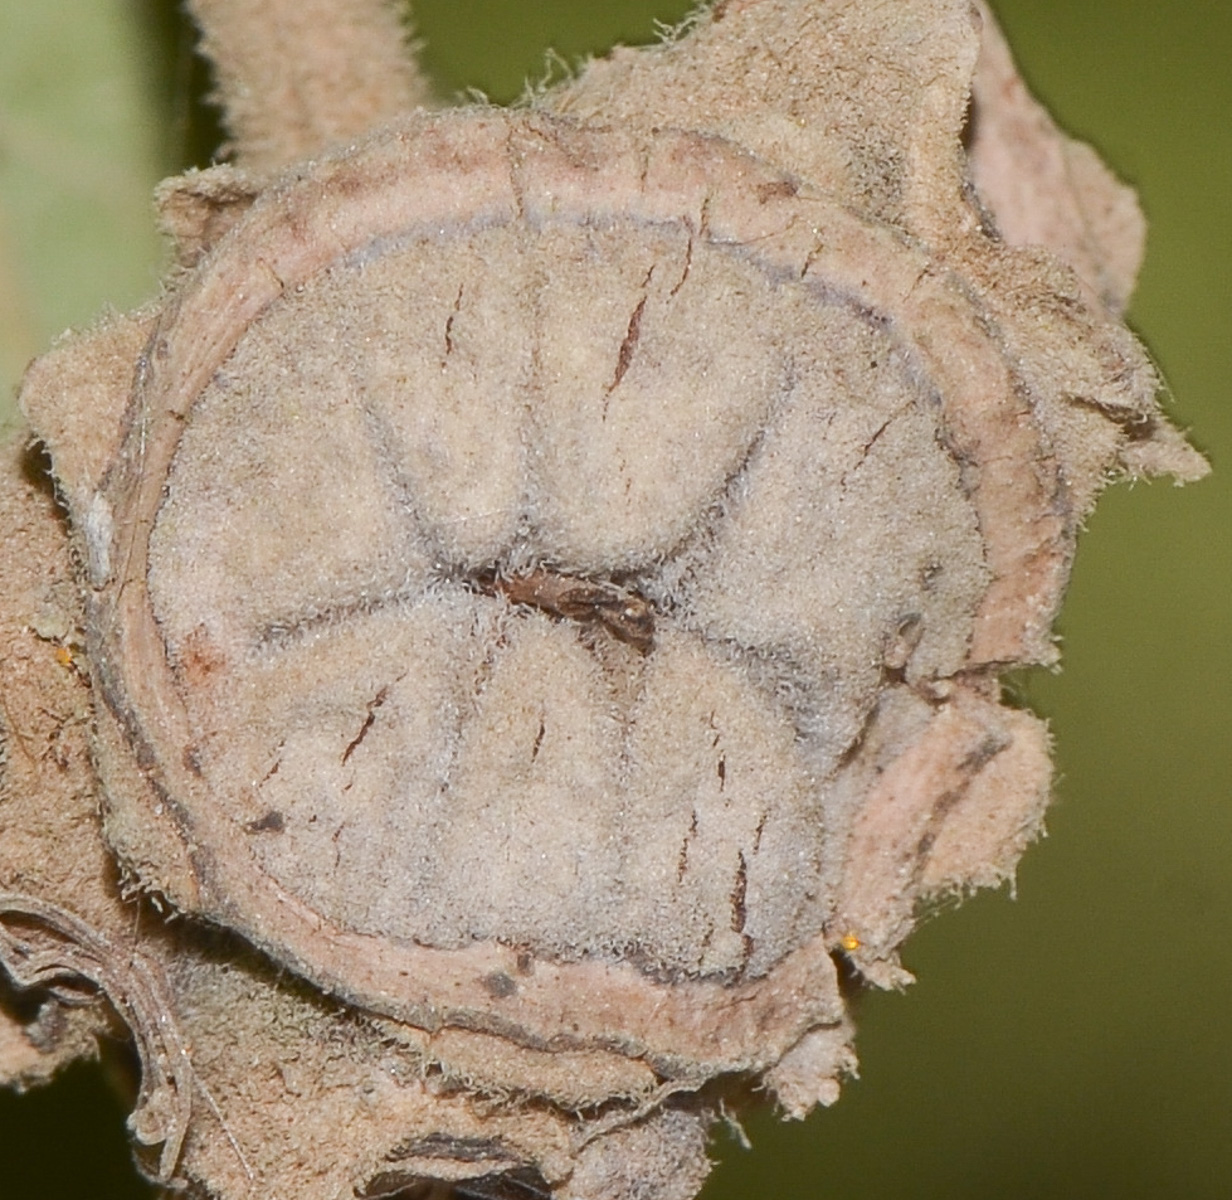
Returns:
<point x="739" y="894"/>
<point x="682" y="861"/>
<point x="629" y="345"/>
<point x="369" y="720"/>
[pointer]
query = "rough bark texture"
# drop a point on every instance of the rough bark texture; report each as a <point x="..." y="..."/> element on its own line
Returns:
<point x="531" y="597"/>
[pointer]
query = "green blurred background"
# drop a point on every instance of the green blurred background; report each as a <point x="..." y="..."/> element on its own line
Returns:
<point x="1071" y="1043"/>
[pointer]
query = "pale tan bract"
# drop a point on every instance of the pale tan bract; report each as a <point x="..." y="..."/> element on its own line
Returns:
<point x="535" y="589"/>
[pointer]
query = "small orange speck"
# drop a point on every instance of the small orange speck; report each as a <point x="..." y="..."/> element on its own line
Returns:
<point x="849" y="942"/>
<point x="64" y="656"/>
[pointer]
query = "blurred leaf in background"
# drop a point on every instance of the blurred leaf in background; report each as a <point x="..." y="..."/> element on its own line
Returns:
<point x="80" y="151"/>
<point x="1072" y="1044"/>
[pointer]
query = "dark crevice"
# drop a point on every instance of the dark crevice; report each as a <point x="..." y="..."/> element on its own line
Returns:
<point x="739" y="895"/>
<point x="369" y="720"/>
<point x="628" y="347"/>
<point x="682" y="861"/>
<point x="449" y="321"/>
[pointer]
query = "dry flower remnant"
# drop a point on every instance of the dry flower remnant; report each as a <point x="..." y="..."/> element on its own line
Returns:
<point x="533" y="591"/>
<point x="623" y="613"/>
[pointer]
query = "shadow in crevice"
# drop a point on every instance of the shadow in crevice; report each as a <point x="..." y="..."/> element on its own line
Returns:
<point x="68" y="1140"/>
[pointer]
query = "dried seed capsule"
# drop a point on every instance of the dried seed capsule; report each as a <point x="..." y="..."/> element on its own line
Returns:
<point x="359" y="744"/>
<point x="391" y="444"/>
<point x="546" y="587"/>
